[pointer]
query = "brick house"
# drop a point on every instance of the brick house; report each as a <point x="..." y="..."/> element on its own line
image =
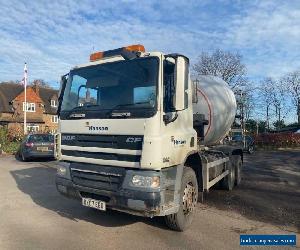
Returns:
<point x="41" y="107"/>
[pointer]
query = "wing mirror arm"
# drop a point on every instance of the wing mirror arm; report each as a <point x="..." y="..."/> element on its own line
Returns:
<point x="168" y="118"/>
<point x="63" y="83"/>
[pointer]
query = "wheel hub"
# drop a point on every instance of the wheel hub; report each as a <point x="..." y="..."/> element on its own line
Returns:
<point x="189" y="198"/>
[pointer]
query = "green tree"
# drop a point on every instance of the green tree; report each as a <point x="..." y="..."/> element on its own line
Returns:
<point x="294" y="124"/>
<point x="262" y="126"/>
<point x="251" y="126"/>
<point x="279" y="124"/>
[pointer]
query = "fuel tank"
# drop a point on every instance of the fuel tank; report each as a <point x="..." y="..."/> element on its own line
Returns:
<point x="218" y="104"/>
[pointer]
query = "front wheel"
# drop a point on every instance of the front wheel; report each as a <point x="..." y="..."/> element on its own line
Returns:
<point x="188" y="197"/>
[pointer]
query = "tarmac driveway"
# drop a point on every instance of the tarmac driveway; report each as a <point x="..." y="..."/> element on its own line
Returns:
<point x="34" y="216"/>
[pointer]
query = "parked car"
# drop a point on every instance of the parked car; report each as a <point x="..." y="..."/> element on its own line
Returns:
<point x="37" y="146"/>
<point x="249" y="142"/>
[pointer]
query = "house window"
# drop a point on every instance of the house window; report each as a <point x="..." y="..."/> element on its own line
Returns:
<point x="54" y="119"/>
<point x="28" y="107"/>
<point x="32" y="128"/>
<point x="53" y="103"/>
<point x="53" y="131"/>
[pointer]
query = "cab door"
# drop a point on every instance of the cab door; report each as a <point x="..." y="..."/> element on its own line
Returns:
<point x="179" y="137"/>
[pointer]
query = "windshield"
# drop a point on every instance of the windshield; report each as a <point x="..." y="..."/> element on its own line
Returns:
<point x="128" y="85"/>
<point x="41" y="138"/>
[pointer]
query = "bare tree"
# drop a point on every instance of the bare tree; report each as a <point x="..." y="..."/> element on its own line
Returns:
<point x="266" y="93"/>
<point x="41" y="83"/>
<point x="292" y="84"/>
<point x="249" y="104"/>
<point x="279" y="95"/>
<point x="273" y="96"/>
<point x="224" y="64"/>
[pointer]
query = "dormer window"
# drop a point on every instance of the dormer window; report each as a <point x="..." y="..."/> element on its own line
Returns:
<point x="53" y="103"/>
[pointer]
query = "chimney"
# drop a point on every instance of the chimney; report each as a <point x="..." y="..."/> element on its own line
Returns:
<point x="36" y="87"/>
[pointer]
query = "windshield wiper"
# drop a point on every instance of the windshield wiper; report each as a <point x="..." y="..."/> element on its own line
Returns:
<point x="125" y="105"/>
<point x="125" y="114"/>
<point x="85" y="106"/>
<point x="128" y="104"/>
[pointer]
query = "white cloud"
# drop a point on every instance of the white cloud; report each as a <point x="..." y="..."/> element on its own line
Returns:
<point x="52" y="36"/>
<point x="268" y="35"/>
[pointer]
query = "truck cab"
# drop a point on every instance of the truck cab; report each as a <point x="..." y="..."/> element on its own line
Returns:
<point x="126" y="135"/>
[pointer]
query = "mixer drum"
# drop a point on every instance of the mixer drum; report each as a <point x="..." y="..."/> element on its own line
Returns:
<point x="218" y="104"/>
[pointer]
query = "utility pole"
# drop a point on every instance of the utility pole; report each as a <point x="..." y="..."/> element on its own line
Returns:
<point x="268" y="123"/>
<point x="242" y="113"/>
<point x="279" y="116"/>
<point x="25" y="99"/>
<point x="298" y="111"/>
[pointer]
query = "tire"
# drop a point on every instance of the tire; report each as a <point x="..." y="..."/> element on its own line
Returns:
<point x="18" y="155"/>
<point x="237" y="162"/>
<point x="23" y="157"/>
<point x="228" y="181"/>
<point x="250" y="150"/>
<point x="188" y="197"/>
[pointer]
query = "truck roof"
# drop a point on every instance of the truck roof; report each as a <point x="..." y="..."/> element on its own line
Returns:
<point x="114" y="59"/>
<point x="123" y="53"/>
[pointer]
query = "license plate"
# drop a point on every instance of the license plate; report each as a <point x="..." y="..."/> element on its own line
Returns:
<point x="42" y="149"/>
<point x="87" y="202"/>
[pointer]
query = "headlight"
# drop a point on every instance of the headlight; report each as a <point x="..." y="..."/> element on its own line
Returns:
<point x="146" y="181"/>
<point x="63" y="169"/>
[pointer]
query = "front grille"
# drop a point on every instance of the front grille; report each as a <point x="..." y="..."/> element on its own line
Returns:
<point x="75" y="146"/>
<point x="133" y="142"/>
<point x="97" y="177"/>
<point x="102" y="156"/>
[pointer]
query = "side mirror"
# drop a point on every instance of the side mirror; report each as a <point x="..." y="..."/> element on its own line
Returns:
<point x="181" y="80"/>
<point x="63" y="83"/>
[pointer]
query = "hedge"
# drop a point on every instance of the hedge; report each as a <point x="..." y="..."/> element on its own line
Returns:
<point x="278" y="140"/>
<point x="9" y="140"/>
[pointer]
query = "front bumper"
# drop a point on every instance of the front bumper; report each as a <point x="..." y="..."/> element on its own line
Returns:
<point x="38" y="154"/>
<point x="135" y="202"/>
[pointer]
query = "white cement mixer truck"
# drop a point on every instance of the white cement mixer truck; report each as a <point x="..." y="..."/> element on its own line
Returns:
<point x="137" y="135"/>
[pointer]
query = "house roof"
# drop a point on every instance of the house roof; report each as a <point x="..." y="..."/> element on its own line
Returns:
<point x="9" y="91"/>
<point x="46" y="95"/>
<point x="32" y="96"/>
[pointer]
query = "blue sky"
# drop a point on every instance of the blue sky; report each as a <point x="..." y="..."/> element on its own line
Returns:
<point x="52" y="36"/>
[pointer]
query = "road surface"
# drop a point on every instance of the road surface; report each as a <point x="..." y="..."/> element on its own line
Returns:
<point x="34" y="216"/>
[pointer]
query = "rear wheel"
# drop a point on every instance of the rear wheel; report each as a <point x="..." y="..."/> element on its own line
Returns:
<point x="228" y="181"/>
<point x="24" y="158"/>
<point x="237" y="161"/>
<point x="251" y="149"/>
<point x="188" y="197"/>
